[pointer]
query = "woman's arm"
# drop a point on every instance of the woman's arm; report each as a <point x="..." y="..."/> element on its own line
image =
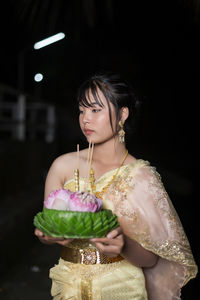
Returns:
<point x="55" y="176"/>
<point x="116" y="243"/>
<point x="54" y="181"/>
<point x="138" y="255"/>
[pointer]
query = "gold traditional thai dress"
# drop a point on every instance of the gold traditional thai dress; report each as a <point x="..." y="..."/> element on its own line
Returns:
<point x="146" y="214"/>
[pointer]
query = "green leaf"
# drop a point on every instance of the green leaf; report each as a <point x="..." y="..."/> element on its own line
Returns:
<point x="70" y="224"/>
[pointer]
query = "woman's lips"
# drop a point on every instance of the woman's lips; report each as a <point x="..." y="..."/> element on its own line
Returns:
<point x="88" y="131"/>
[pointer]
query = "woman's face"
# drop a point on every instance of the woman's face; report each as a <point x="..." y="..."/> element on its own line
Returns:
<point x="95" y="122"/>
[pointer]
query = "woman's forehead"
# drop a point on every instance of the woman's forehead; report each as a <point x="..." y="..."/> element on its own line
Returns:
<point x="93" y="97"/>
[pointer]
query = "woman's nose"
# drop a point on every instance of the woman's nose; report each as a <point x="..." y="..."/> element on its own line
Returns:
<point x="86" y="117"/>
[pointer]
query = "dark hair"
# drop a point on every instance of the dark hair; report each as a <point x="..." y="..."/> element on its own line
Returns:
<point x="115" y="90"/>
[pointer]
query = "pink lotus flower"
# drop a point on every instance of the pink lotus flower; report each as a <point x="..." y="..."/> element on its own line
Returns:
<point x="81" y="201"/>
<point x="63" y="199"/>
<point x="58" y="199"/>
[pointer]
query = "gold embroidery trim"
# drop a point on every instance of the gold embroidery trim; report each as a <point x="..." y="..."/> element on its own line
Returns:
<point x="86" y="289"/>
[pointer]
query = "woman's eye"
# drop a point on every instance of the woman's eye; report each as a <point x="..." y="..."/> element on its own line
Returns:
<point x="80" y="111"/>
<point x="95" y="110"/>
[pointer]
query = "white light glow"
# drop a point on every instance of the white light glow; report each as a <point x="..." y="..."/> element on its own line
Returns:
<point x="49" y="40"/>
<point x="38" y="77"/>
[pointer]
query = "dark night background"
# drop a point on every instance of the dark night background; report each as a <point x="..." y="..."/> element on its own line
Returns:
<point x="155" y="45"/>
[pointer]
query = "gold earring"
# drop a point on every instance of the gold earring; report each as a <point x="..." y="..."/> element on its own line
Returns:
<point x="121" y="133"/>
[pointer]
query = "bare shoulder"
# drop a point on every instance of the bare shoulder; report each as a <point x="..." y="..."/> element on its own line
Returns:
<point x="64" y="158"/>
<point x="71" y="158"/>
<point x="130" y="159"/>
<point x="64" y="162"/>
<point x="61" y="170"/>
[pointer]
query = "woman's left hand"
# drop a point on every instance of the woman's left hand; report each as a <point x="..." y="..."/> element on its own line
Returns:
<point x="112" y="244"/>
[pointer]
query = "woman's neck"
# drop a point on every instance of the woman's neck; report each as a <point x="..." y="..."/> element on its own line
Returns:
<point x="109" y="152"/>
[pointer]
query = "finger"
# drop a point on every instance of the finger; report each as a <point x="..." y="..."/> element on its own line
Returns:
<point x="104" y="248"/>
<point x="105" y="241"/>
<point x="39" y="233"/>
<point x="111" y="251"/>
<point x="107" y="244"/>
<point x="108" y="241"/>
<point x="65" y="242"/>
<point x="49" y="238"/>
<point x="100" y="240"/>
<point x="114" y="233"/>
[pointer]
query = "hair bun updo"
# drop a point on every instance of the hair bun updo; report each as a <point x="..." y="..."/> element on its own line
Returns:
<point x="116" y="90"/>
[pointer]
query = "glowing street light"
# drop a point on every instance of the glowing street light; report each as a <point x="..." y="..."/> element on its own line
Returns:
<point x="52" y="39"/>
<point x="38" y="77"/>
<point x="38" y="45"/>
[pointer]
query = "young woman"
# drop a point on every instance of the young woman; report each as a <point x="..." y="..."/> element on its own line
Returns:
<point x="148" y="256"/>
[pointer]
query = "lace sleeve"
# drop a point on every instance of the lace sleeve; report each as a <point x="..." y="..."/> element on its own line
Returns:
<point x="147" y="215"/>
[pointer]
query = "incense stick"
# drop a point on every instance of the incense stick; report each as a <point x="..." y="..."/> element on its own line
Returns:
<point x="91" y="171"/>
<point x="88" y="154"/>
<point x="91" y="155"/>
<point x="87" y="167"/>
<point x="89" y="162"/>
<point x="76" y="171"/>
<point x="78" y="162"/>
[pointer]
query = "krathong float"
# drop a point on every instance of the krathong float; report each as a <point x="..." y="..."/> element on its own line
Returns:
<point x="78" y="214"/>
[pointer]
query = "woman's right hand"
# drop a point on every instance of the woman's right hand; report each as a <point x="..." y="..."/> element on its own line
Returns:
<point x="49" y="240"/>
